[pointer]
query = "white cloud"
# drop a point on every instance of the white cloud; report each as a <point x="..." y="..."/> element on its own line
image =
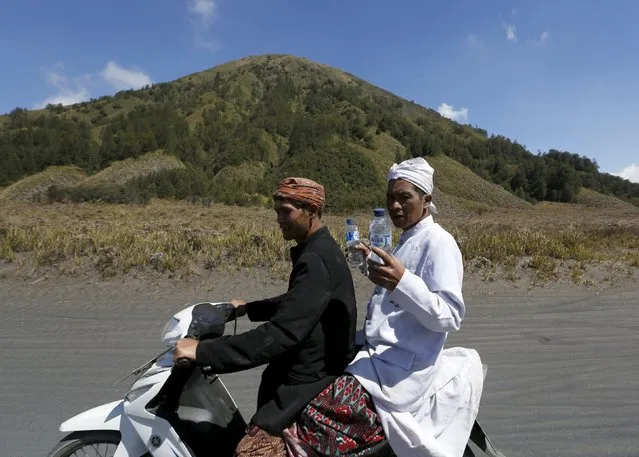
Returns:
<point x="511" y="32"/>
<point x="122" y="79"/>
<point x="544" y="37"/>
<point x="55" y="76"/>
<point x="65" y="98"/>
<point x="204" y="9"/>
<point x="449" y="112"/>
<point x="204" y="12"/>
<point x="474" y="41"/>
<point x="74" y="90"/>
<point x="631" y="173"/>
<point x="68" y="92"/>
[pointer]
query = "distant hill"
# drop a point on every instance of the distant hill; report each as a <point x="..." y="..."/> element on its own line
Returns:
<point x="34" y="187"/>
<point x="127" y="170"/>
<point x="594" y="199"/>
<point x="71" y="183"/>
<point x="239" y="127"/>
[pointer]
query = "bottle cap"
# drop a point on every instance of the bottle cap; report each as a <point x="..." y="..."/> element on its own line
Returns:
<point x="379" y="212"/>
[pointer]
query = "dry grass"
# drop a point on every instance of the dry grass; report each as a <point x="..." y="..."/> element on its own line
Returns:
<point x="184" y="239"/>
<point x="179" y="238"/>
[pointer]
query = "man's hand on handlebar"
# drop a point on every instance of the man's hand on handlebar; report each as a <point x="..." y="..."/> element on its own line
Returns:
<point x="185" y="348"/>
<point x="240" y="307"/>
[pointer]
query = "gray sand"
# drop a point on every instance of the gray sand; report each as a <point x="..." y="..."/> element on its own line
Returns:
<point x="563" y="364"/>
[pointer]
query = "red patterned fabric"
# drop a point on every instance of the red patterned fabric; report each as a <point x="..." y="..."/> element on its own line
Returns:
<point x="302" y="190"/>
<point x="339" y="421"/>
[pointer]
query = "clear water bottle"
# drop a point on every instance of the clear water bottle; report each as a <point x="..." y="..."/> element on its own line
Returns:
<point x="355" y="258"/>
<point x="381" y="233"/>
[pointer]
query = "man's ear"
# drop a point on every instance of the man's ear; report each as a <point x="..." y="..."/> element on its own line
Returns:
<point x="427" y="200"/>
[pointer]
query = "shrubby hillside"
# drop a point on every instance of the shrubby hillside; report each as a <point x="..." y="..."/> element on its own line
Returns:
<point x="234" y="130"/>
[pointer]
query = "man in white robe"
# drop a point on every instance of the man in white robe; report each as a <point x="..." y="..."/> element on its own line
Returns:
<point x="427" y="397"/>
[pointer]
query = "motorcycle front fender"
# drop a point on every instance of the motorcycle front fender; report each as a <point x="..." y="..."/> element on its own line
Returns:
<point x="103" y="417"/>
<point x="108" y="417"/>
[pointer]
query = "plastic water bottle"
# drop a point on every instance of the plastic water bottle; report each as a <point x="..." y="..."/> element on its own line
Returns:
<point x="355" y="258"/>
<point x="380" y="233"/>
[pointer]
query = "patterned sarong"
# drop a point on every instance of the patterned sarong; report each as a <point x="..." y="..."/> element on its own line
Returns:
<point x="341" y="420"/>
<point x="259" y="443"/>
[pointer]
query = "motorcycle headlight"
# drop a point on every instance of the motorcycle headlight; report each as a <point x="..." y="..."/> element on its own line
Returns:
<point x="171" y="333"/>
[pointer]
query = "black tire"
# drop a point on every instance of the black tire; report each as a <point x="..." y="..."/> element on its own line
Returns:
<point x="77" y="440"/>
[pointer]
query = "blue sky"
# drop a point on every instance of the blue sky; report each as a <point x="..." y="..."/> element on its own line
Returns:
<point x="550" y="74"/>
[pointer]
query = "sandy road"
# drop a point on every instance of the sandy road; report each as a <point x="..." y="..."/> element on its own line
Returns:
<point x="563" y="377"/>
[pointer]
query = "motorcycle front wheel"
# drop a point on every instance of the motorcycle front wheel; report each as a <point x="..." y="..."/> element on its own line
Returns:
<point x="97" y="443"/>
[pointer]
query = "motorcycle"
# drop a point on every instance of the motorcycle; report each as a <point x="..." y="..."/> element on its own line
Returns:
<point x="179" y="409"/>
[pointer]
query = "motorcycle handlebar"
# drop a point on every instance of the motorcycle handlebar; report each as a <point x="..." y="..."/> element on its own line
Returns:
<point x="184" y="362"/>
<point x="201" y="325"/>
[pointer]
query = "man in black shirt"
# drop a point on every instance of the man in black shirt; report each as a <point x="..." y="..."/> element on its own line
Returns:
<point x="308" y="335"/>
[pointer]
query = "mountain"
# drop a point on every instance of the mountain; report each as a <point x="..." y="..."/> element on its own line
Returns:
<point x="239" y="127"/>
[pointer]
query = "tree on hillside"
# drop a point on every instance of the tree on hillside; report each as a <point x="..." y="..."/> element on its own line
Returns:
<point x="537" y="184"/>
<point x="563" y="182"/>
<point x="519" y="181"/>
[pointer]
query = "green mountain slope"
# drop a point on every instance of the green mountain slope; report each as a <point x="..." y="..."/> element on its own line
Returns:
<point x="455" y="179"/>
<point x="275" y="115"/>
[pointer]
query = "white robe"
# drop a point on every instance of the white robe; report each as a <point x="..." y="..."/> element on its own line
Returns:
<point x="427" y="397"/>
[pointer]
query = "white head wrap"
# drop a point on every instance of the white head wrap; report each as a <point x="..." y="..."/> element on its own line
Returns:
<point x="416" y="171"/>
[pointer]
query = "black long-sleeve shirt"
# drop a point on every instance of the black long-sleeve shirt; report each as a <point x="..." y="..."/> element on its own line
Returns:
<point x="308" y="337"/>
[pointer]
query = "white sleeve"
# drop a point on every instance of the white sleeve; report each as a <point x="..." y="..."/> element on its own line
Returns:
<point x="435" y="297"/>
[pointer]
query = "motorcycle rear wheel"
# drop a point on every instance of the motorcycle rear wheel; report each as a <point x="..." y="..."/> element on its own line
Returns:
<point x="98" y="441"/>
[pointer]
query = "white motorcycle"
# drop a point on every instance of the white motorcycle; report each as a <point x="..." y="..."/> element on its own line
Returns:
<point x="180" y="410"/>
